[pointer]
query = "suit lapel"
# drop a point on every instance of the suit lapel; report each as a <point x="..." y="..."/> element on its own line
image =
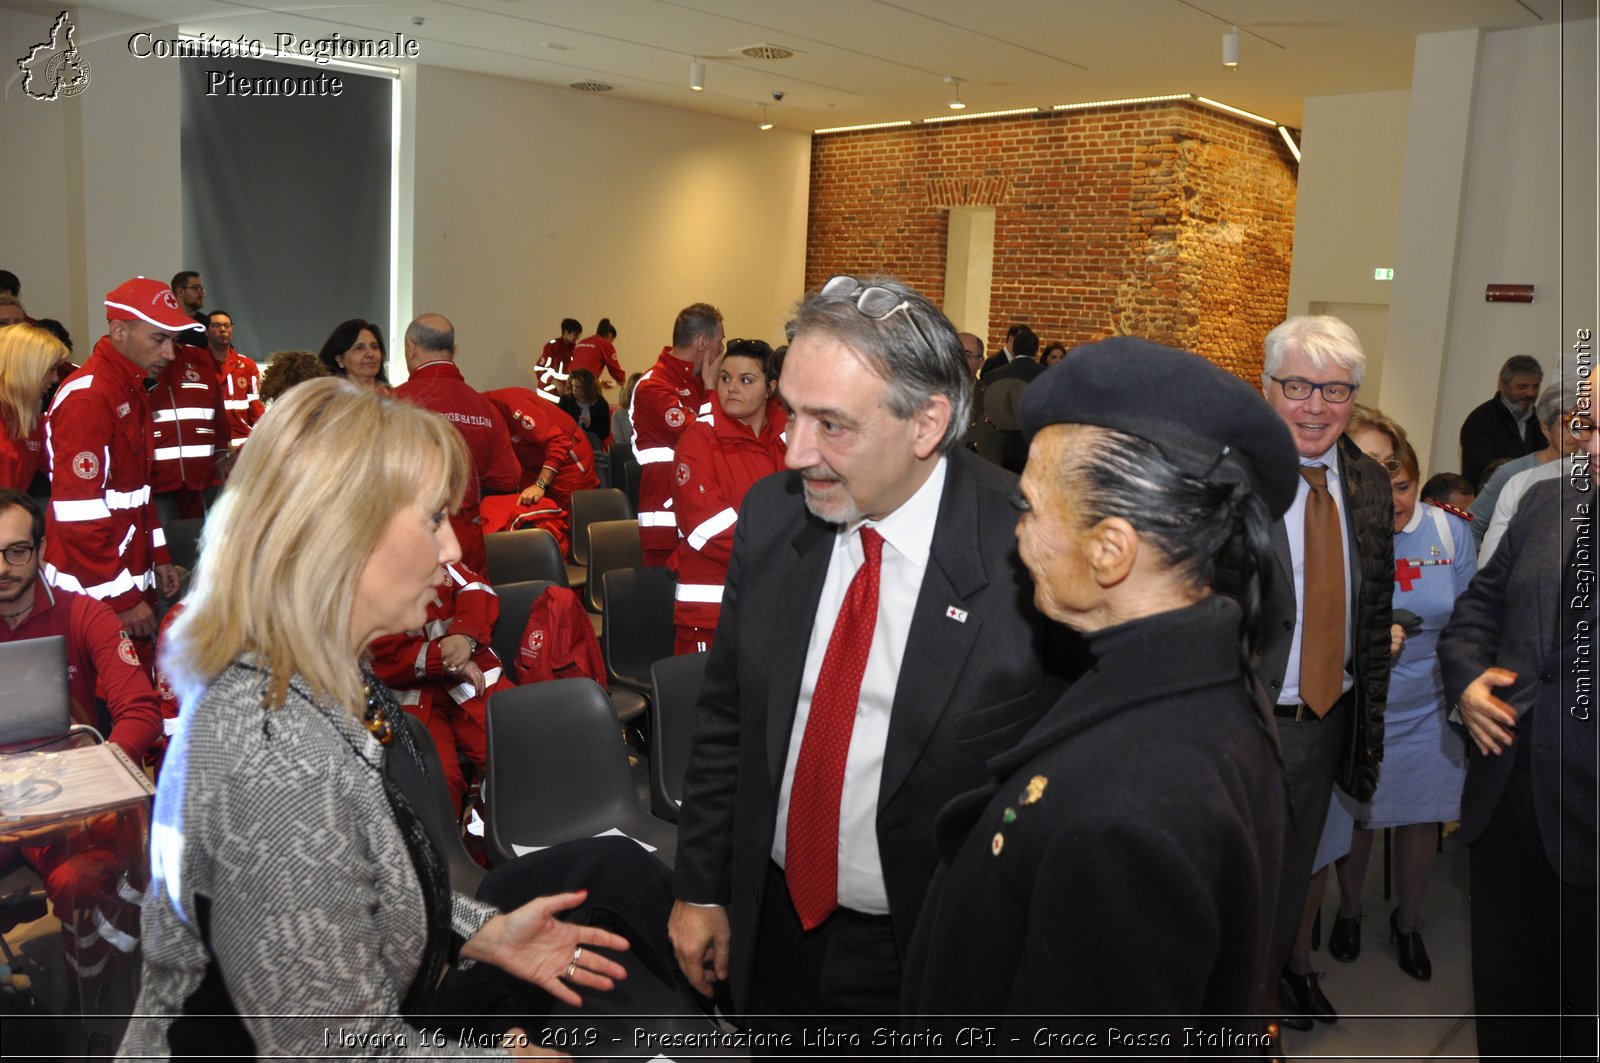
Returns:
<point x="802" y="590"/>
<point x="938" y="645"/>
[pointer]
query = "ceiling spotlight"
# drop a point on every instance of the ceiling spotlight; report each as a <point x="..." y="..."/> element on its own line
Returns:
<point x="697" y="75"/>
<point x="955" y="104"/>
<point x="1230" y="49"/>
<point x="766" y="123"/>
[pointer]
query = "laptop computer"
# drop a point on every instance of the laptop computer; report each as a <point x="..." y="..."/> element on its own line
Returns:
<point x="34" y="702"/>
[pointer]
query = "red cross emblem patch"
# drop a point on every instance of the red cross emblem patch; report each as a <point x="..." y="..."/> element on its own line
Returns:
<point x="87" y="465"/>
<point x="675" y="417"/>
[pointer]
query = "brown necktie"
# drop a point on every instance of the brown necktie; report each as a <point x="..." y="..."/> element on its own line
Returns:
<point x="1322" y="629"/>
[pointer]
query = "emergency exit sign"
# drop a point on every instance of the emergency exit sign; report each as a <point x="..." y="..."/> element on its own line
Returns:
<point x="1381" y="274"/>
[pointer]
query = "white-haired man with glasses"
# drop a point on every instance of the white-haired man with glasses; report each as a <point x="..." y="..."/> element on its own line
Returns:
<point x="1325" y="644"/>
<point x="853" y="686"/>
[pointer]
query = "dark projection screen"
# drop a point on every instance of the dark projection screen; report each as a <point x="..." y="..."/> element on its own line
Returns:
<point x="286" y="202"/>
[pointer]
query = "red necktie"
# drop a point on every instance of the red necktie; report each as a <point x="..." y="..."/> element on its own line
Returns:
<point x="1322" y="630"/>
<point x="811" y="847"/>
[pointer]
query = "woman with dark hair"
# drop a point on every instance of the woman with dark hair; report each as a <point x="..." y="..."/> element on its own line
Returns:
<point x="718" y="459"/>
<point x="355" y="350"/>
<point x="1053" y="354"/>
<point x="589" y="408"/>
<point x="1122" y="860"/>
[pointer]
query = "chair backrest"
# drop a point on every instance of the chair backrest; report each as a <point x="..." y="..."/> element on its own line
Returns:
<point x="675" y="690"/>
<point x="612" y="544"/>
<point x="437" y="813"/>
<point x="524" y="554"/>
<point x="515" y="601"/>
<point x="183" y="540"/>
<point x="637" y="630"/>
<point x="558" y="771"/>
<point x="606" y="503"/>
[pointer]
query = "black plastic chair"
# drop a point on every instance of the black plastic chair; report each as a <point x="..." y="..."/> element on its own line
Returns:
<point x="557" y="772"/>
<point x="606" y="503"/>
<point x="524" y="554"/>
<point x="675" y="691"/>
<point x="637" y="628"/>
<point x="613" y="544"/>
<point x="515" y="601"/>
<point x="183" y="540"/>
<point x="438" y="814"/>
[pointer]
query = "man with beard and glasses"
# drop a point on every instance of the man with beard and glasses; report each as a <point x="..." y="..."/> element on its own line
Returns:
<point x="853" y="686"/>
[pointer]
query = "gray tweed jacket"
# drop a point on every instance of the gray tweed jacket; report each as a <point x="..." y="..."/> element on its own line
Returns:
<point x="316" y="914"/>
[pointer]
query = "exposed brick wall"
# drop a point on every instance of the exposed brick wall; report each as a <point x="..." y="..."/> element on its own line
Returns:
<point x="1169" y="220"/>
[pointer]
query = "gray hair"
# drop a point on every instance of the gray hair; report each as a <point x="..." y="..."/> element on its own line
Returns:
<point x="1521" y="365"/>
<point x="428" y="338"/>
<point x="1554" y="401"/>
<point x="917" y="353"/>
<point x="1321" y="339"/>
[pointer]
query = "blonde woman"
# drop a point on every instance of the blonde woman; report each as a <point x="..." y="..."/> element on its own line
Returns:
<point x="32" y="361"/>
<point x="294" y="889"/>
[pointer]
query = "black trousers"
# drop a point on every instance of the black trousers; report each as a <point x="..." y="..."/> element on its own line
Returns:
<point x="828" y="988"/>
<point x="1533" y="941"/>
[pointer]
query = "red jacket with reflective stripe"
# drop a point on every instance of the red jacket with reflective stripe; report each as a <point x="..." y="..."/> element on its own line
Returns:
<point x="102" y="538"/>
<point x="597" y="354"/>
<point x="439" y="386"/>
<point x="101" y="663"/>
<point x="241" y="395"/>
<point x="188" y="424"/>
<point x="21" y="458"/>
<point x="542" y="434"/>
<point x="666" y="401"/>
<point x="718" y="460"/>
<point x="557" y="354"/>
<point x="410" y="662"/>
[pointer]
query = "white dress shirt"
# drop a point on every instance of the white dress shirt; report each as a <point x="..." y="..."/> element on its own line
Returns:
<point x="1294" y="523"/>
<point x="907" y="537"/>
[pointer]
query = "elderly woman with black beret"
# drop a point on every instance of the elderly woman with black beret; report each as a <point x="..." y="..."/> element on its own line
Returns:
<point x="1123" y="865"/>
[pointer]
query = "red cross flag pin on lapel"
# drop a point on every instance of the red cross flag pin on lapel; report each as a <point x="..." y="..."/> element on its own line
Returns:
<point x="959" y="615"/>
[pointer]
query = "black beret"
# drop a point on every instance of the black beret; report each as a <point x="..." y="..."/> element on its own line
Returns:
<point x="1204" y="420"/>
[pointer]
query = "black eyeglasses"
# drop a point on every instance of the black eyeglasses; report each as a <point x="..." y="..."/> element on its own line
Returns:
<point x="19" y="553"/>
<point x="874" y="301"/>
<point x="1295" y="389"/>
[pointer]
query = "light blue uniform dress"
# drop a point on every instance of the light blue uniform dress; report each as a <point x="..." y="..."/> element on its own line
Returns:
<point x="1424" y="759"/>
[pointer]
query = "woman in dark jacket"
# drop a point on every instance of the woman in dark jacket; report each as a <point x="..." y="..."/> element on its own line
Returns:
<point x="1123" y="865"/>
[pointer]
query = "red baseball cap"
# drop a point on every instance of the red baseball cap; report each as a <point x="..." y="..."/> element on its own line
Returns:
<point x="141" y="299"/>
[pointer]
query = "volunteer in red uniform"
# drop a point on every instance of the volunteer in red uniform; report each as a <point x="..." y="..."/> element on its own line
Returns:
<point x="557" y="354"/>
<point x="444" y="673"/>
<point x="554" y="453"/>
<point x="188" y="431"/>
<point x="240" y="376"/>
<point x="436" y="384"/>
<point x="103" y="539"/>
<point x="81" y="866"/>
<point x="598" y="353"/>
<point x="101" y="663"/>
<point x="31" y="363"/>
<point x="719" y="457"/>
<point x="667" y="400"/>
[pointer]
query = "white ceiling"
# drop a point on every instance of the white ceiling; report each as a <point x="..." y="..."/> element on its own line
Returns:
<point x="858" y="61"/>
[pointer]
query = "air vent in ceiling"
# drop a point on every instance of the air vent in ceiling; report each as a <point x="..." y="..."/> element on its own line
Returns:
<point x="765" y="51"/>
<point x="591" y="86"/>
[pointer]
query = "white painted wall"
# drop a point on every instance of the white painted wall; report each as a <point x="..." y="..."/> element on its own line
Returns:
<point x="534" y="204"/>
<point x="92" y="181"/>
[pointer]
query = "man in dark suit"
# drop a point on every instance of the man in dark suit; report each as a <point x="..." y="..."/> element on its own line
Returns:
<point x="1001" y="358"/>
<point x="1518" y="661"/>
<point x="1325" y="654"/>
<point x="1504" y="427"/>
<point x="877" y="645"/>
